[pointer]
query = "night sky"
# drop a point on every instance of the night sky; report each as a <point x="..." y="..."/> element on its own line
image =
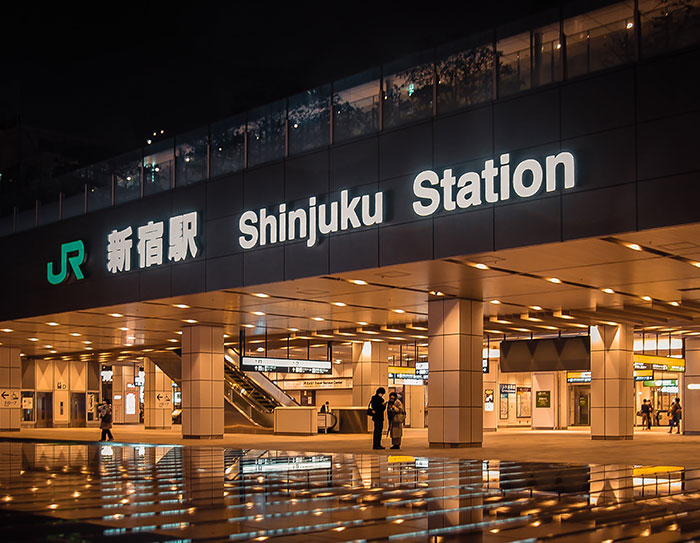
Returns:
<point x="113" y="77"/>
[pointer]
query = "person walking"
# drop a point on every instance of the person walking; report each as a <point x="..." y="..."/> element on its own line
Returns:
<point x="675" y="414"/>
<point x="646" y="415"/>
<point x="396" y="414"/>
<point x="106" y="423"/>
<point x="376" y="409"/>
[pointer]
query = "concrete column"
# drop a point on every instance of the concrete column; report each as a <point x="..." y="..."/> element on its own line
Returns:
<point x="369" y="370"/>
<point x="690" y="393"/>
<point x="202" y="382"/>
<point x="611" y="484"/>
<point x="203" y="474"/>
<point x="157" y="397"/>
<point x="10" y="388"/>
<point x="612" y="382"/>
<point x="455" y="387"/>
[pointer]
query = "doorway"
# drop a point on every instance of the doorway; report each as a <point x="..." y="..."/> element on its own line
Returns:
<point x="580" y="405"/>
<point x="44" y="409"/>
<point x="77" y="409"/>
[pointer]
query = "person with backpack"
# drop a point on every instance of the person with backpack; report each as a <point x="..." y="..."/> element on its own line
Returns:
<point x="376" y="409"/>
<point x="675" y="414"/>
<point x="106" y="423"/>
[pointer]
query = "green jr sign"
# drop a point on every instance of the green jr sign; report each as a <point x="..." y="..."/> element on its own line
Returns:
<point x="76" y="250"/>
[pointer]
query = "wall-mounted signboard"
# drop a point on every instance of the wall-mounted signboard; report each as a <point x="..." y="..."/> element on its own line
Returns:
<point x="578" y="376"/>
<point x="285" y="463"/>
<point x="661" y="383"/>
<point x="658" y="363"/>
<point x="543" y="399"/>
<point x="488" y="399"/>
<point x="643" y="375"/>
<point x="404" y="375"/>
<point x="308" y="384"/>
<point x="285" y="365"/>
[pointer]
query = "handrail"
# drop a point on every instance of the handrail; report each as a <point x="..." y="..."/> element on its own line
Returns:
<point x="265" y="385"/>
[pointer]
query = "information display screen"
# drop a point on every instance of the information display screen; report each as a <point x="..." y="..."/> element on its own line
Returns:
<point x="292" y="463"/>
<point x="285" y="365"/>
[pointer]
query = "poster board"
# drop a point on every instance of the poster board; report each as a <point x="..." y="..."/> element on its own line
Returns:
<point x="523" y="405"/>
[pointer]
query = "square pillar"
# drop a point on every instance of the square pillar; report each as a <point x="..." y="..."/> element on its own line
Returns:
<point x="370" y="361"/>
<point x="690" y="393"/>
<point x="157" y="397"/>
<point x="202" y="382"/>
<point x="612" y="382"/>
<point x="455" y="387"/>
<point x="10" y="388"/>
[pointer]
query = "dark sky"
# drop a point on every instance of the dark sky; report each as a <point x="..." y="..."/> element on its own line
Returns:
<point x="115" y="76"/>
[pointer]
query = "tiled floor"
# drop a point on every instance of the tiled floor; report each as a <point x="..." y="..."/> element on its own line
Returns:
<point x="92" y="492"/>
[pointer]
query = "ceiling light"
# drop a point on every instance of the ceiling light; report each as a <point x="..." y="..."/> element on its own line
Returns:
<point x="173" y="340"/>
<point x="248" y="325"/>
<point x="495" y="302"/>
<point x="339" y="304"/>
<point x="358" y="281"/>
<point x="521" y="329"/>
<point x="53" y="352"/>
<point x="116" y="315"/>
<point x="131" y="338"/>
<point x="48" y="346"/>
<point x="124" y="329"/>
<point x="561" y="315"/>
<point x="398" y="311"/>
<point x="480" y="266"/>
<point x="88" y="348"/>
<point x="52" y="323"/>
<point x="293" y="329"/>
<point x="527" y="317"/>
<point x="696" y="264"/>
<point x="646" y="298"/>
<point x="33" y="339"/>
<point x="260" y="349"/>
<point x="75" y="334"/>
<point x="179" y="333"/>
<point x="317" y="318"/>
<point x="181" y="306"/>
<point x="87" y="342"/>
<point x="608" y="290"/>
<point x="609" y="323"/>
<point x="7" y="330"/>
<point x="261" y="295"/>
<point x="258" y="313"/>
<point x="676" y="304"/>
<point x="536" y="307"/>
<point x="436" y="293"/>
<point x="633" y="246"/>
<point x="362" y="323"/>
<point x="190" y="321"/>
<point x="554" y="280"/>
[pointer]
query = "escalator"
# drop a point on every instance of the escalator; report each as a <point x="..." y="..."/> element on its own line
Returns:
<point x="250" y="397"/>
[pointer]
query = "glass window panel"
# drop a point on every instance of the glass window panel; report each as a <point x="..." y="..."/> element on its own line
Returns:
<point x="73" y="197"/>
<point x="408" y="93"/>
<point x="600" y="39"/>
<point x="48" y="212"/>
<point x="668" y="25"/>
<point x="266" y="133"/>
<point x="191" y="157"/>
<point x="158" y="167"/>
<point x="99" y="186"/>
<point x="227" y="145"/>
<point x="356" y="105"/>
<point x="514" y="74"/>
<point x="127" y="177"/>
<point x="309" y="119"/>
<point x="546" y="55"/>
<point x="26" y="218"/>
<point x="465" y="77"/>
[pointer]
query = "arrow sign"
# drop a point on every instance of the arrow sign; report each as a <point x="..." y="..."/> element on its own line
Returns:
<point x="159" y="396"/>
<point x="4" y="394"/>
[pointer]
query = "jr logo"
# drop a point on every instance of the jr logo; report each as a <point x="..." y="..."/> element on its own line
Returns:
<point x="75" y="260"/>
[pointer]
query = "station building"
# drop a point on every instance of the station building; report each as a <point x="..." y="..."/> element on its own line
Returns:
<point x="503" y="229"/>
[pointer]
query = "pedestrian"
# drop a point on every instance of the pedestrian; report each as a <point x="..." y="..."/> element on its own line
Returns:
<point x="106" y="423"/>
<point x="397" y="416"/>
<point x="675" y="414"/>
<point x="376" y="409"/>
<point x="646" y="415"/>
<point x="326" y="408"/>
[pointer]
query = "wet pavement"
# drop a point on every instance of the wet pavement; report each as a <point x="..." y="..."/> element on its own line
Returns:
<point x="97" y="492"/>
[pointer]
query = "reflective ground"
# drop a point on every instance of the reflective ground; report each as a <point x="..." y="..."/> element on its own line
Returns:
<point x="82" y="492"/>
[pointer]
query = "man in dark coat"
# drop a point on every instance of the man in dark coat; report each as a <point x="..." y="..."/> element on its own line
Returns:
<point x="377" y="405"/>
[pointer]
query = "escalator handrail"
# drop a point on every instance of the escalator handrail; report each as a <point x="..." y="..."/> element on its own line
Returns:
<point x="261" y="381"/>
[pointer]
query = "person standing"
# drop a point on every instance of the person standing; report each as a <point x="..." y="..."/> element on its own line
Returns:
<point x="326" y="408"/>
<point x="675" y="415"/>
<point x="106" y="423"/>
<point x="646" y="415"/>
<point x="376" y="409"/>
<point x="397" y="416"/>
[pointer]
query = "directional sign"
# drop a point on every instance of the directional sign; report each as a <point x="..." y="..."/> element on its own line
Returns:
<point x="9" y="397"/>
<point x="285" y="365"/>
<point x="163" y="400"/>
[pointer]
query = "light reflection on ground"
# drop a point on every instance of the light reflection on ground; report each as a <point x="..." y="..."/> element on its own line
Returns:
<point x="173" y="493"/>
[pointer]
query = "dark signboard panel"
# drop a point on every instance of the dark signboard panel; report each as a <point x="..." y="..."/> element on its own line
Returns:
<point x="570" y="353"/>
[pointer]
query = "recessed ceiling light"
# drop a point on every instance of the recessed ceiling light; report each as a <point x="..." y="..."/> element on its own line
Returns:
<point x="646" y="298"/>
<point x="339" y="304"/>
<point x="362" y="323"/>
<point x="88" y="348"/>
<point x="52" y="323"/>
<point x="318" y="318"/>
<point x="48" y="346"/>
<point x="260" y="349"/>
<point x="436" y="293"/>
<point x="536" y="307"/>
<point x="554" y="280"/>
<point x="633" y="246"/>
<point x="358" y="281"/>
<point x="53" y="352"/>
<point x="75" y="334"/>
<point x="33" y="339"/>
<point x="173" y="340"/>
<point x="116" y="315"/>
<point x="124" y="329"/>
<point x="179" y="333"/>
<point x="7" y="330"/>
<point x="261" y="295"/>
<point x="608" y="290"/>
<point x="87" y="342"/>
<point x="181" y="306"/>
<point x="398" y="311"/>
<point x="293" y="329"/>
<point x="696" y="264"/>
<point x="190" y="321"/>
<point x="248" y="325"/>
<point x="258" y="313"/>
<point x="676" y="304"/>
<point x="496" y="302"/>
<point x="480" y="266"/>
